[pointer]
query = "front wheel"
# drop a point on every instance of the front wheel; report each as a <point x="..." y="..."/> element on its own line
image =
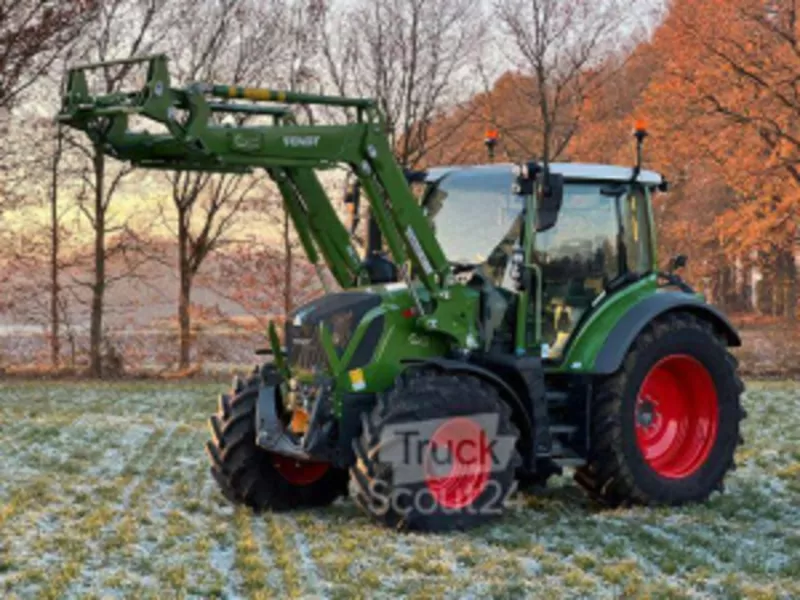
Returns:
<point x="666" y="426"/>
<point x="247" y="474"/>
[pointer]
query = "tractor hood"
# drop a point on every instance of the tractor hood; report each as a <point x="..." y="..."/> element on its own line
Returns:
<point x="341" y="314"/>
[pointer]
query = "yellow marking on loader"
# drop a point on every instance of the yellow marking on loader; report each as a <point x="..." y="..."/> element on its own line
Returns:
<point x="257" y="94"/>
<point x="357" y="381"/>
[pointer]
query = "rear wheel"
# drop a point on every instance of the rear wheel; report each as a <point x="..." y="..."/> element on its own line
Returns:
<point x="666" y="426"/>
<point x="248" y="474"/>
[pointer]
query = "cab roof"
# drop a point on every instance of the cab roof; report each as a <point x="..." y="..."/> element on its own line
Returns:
<point x="570" y="171"/>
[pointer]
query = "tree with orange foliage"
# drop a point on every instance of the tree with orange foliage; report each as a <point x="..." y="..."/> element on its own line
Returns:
<point x="732" y="75"/>
<point x="568" y="56"/>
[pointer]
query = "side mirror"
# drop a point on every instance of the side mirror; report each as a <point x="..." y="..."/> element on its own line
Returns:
<point x="549" y="202"/>
<point x="677" y="262"/>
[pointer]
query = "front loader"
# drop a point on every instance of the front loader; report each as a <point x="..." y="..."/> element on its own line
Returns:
<point x="505" y="321"/>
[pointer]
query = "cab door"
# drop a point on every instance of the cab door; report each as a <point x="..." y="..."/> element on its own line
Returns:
<point x="601" y="238"/>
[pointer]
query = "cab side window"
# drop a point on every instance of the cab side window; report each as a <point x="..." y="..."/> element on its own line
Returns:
<point x="637" y="231"/>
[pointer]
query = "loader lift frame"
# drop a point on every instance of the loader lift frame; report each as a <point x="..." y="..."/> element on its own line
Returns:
<point x="289" y="152"/>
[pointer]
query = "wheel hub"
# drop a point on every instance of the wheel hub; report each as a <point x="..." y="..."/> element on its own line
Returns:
<point x="458" y="463"/>
<point x="676" y="416"/>
<point x="299" y="472"/>
<point x="646" y="413"/>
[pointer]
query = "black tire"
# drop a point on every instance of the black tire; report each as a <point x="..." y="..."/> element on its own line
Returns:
<point x="247" y="474"/>
<point x="419" y="397"/>
<point x="617" y="472"/>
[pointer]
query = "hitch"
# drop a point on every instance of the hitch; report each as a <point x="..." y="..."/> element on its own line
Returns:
<point x="271" y="434"/>
<point x="316" y="443"/>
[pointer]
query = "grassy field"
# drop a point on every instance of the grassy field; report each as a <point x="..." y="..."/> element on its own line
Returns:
<point x="105" y="492"/>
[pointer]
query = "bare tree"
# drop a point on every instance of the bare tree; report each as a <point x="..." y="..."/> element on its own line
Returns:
<point x="414" y="56"/>
<point x="35" y="261"/>
<point x="33" y="33"/>
<point x="562" y="49"/>
<point x="215" y="200"/>
<point x="55" y="312"/>
<point x="239" y="42"/>
<point x="122" y="29"/>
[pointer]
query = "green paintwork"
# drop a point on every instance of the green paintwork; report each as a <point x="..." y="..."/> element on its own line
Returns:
<point x="275" y="346"/>
<point x="521" y="341"/>
<point x="588" y="340"/>
<point x="317" y="223"/>
<point x="402" y="339"/>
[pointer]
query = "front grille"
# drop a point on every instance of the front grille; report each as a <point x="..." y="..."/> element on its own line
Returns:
<point x="304" y="346"/>
<point x="341" y="313"/>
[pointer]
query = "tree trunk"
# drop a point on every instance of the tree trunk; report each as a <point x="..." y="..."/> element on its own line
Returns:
<point x="790" y="285"/>
<point x="55" y="345"/>
<point x="779" y="284"/>
<point x="287" y="278"/>
<point x="98" y="287"/>
<point x="724" y="288"/>
<point x="745" y="286"/>
<point x="184" y="294"/>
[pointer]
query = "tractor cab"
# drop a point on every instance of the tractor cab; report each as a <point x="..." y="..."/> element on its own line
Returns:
<point x="602" y="238"/>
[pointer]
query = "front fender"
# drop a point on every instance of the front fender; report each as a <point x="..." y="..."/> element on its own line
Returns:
<point x="519" y="414"/>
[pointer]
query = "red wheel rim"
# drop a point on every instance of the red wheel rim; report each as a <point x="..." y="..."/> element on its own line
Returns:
<point x="458" y="462"/>
<point x="299" y="472"/>
<point x="676" y="416"/>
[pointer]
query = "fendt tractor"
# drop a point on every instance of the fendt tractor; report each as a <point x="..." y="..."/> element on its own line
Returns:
<point x="499" y="323"/>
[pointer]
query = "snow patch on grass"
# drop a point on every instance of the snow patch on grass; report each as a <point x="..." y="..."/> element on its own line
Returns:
<point x="105" y="491"/>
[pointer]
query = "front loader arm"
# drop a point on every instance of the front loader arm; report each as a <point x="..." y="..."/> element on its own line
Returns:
<point x="289" y="152"/>
<point x="317" y="224"/>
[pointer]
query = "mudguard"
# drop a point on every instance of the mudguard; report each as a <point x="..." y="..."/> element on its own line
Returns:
<point x="628" y="328"/>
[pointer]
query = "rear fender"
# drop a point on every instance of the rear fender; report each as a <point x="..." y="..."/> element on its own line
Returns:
<point x="627" y="329"/>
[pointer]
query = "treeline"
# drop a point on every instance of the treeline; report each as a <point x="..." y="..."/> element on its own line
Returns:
<point x="717" y="84"/>
<point x="558" y="79"/>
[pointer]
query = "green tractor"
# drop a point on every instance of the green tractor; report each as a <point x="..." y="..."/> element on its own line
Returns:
<point x="503" y="322"/>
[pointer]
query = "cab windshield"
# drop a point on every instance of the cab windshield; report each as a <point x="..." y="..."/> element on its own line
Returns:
<point x="471" y="211"/>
